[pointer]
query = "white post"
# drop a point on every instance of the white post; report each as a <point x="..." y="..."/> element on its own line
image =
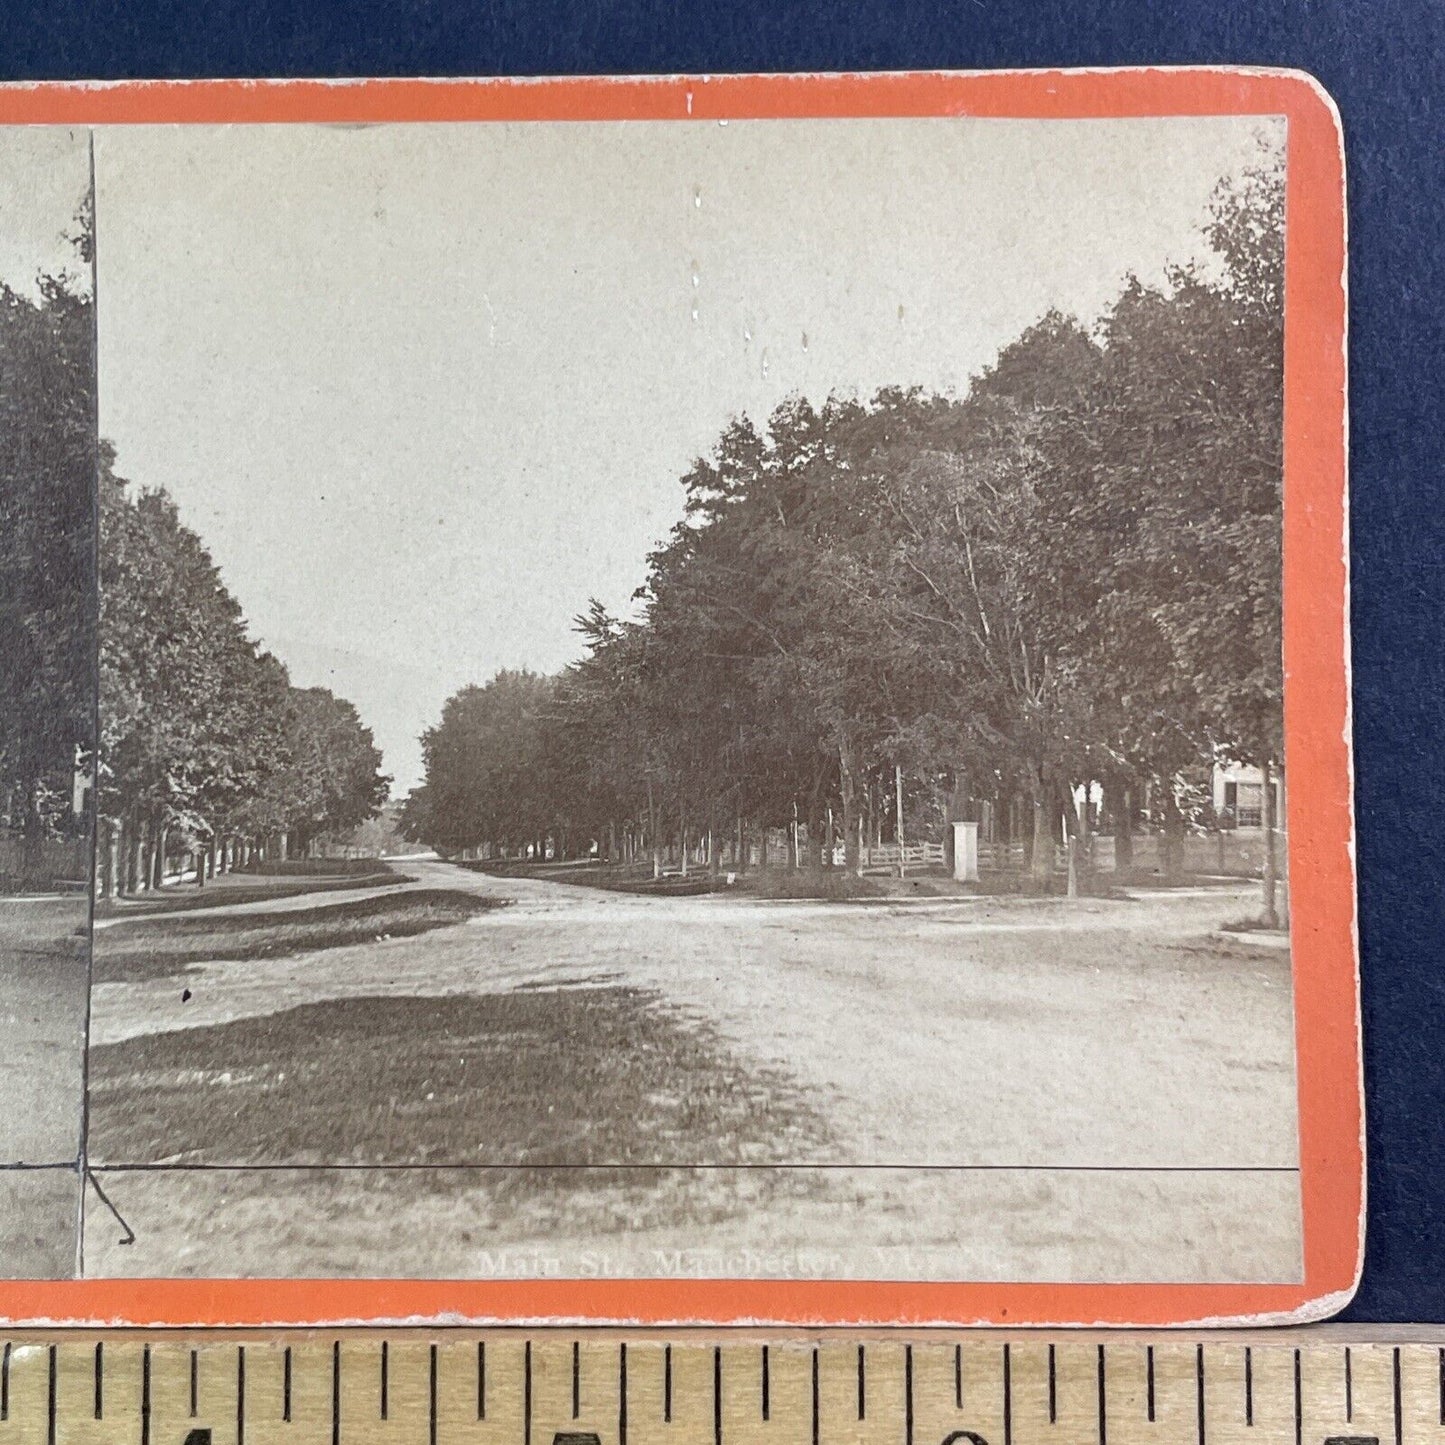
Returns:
<point x="965" y="852"/>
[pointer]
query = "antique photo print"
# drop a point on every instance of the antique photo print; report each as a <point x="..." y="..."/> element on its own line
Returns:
<point x="647" y="699"/>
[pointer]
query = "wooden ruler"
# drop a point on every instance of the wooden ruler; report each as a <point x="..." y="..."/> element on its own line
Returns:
<point x="596" y="1387"/>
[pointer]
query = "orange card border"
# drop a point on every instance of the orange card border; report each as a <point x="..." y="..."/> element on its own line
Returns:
<point x="1317" y="701"/>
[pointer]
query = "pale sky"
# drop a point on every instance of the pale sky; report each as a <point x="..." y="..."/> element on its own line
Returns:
<point x="44" y="178"/>
<point x="424" y="390"/>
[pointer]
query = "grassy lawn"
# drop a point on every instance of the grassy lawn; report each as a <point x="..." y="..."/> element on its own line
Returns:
<point x="287" y="881"/>
<point x="825" y="884"/>
<point x="159" y="946"/>
<point x="595" y="1072"/>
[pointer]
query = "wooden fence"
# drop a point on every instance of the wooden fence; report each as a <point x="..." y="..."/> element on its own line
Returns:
<point x="883" y="857"/>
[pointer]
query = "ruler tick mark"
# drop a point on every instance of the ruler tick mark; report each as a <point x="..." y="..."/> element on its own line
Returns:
<point x="336" y="1392"/>
<point x="576" y="1379"/>
<point x="667" y="1381"/>
<point x="815" y="1395"/>
<point x="907" y="1396"/>
<point x="527" y="1393"/>
<point x="50" y="1401"/>
<point x="99" y="1380"/>
<point x="622" y="1394"/>
<point x="1349" y="1389"/>
<point x="1149" y="1383"/>
<point x="145" y="1396"/>
<point x="1248" y="1385"/>
<point x="717" y="1396"/>
<point x="862" y="1385"/>
<point x="766" y="1384"/>
<point x="958" y="1377"/>
<point x="1102" y="1394"/>
<point x="1199" y="1392"/>
<point x="240" y="1394"/>
<point x="1299" y="1424"/>
<point x="1442" y="1383"/>
<point x="1008" y="1402"/>
<point x="1053" y="1391"/>
<point x="431" y="1427"/>
<point x="1399" y="1420"/>
<point x="195" y="1383"/>
<point x="286" y="1384"/>
<point x="5" y="1383"/>
<point x="385" y="1379"/>
<point x="481" y="1379"/>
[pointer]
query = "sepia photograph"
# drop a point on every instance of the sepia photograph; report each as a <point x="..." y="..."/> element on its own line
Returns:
<point x="47" y="686"/>
<point x="648" y="699"/>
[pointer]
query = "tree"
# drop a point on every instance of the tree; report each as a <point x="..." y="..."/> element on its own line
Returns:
<point x="203" y="738"/>
<point x="47" y="542"/>
<point x="1068" y="576"/>
<point x="484" y="779"/>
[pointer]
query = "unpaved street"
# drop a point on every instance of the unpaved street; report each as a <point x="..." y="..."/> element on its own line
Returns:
<point x="592" y="1081"/>
<point x="42" y="1048"/>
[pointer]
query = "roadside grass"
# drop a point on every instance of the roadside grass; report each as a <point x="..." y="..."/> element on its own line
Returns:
<point x="51" y="928"/>
<point x="829" y="883"/>
<point x="820" y="884"/>
<point x="619" y="878"/>
<point x="1251" y="923"/>
<point x="824" y="883"/>
<point x="159" y="947"/>
<point x="583" y="1073"/>
<point x="249" y="887"/>
<point x="317" y="868"/>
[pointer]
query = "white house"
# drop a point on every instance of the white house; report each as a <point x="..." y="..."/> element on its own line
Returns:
<point x="1239" y="793"/>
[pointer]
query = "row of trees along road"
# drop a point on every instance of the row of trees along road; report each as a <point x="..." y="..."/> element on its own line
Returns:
<point x="208" y="753"/>
<point x="1067" y="581"/>
<point x="47" y="575"/>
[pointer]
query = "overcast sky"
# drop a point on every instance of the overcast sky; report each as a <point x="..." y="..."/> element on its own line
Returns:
<point x="44" y="179"/>
<point x="424" y="390"/>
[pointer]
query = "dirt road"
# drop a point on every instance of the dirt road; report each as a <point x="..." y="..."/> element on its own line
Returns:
<point x="598" y="1082"/>
<point x="42" y="1043"/>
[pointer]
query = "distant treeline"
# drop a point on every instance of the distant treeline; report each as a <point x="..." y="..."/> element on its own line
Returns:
<point x="207" y="750"/>
<point x="1069" y="576"/>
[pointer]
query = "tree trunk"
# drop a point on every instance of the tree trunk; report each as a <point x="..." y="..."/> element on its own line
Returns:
<point x="898" y="817"/>
<point x="654" y="841"/>
<point x="1085" y="838"/>
<point x="1041" y="848"/>
<point x="957" y="811"/>
<point x="1270" y="917"/>
<point x="848" y="787"/>
<point x="1124" y="830"/>
<point x="114" y="851"/>
<point x="1173" y="840"/>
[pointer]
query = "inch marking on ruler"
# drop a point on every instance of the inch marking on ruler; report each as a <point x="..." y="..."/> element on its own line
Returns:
<point x="457" y="1387"/>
